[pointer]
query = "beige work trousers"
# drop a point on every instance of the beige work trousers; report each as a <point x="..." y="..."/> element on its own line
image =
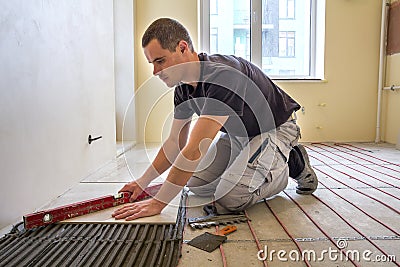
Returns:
<point x="239" y="172"/>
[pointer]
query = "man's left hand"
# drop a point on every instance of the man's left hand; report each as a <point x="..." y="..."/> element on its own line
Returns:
<point x="139" y="209"/>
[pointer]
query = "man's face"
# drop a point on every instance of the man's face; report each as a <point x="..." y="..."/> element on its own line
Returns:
<point x="165" y="63"/>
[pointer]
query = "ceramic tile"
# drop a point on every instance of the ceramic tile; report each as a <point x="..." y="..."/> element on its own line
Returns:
<point x="86" y="191"/>
<point x="167" y="216"/>
<point x="124" y="146"/>
<point x="114" y="171"/>
<point x="121" y="172"/>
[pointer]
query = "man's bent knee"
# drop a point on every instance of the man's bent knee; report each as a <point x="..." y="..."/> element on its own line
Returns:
<point x="235" y="203"/>
<point x="201" y="191"/>
<point x="201" y="187"/>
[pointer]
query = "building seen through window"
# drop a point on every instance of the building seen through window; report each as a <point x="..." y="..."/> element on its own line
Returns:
<point x="285" y="39"/>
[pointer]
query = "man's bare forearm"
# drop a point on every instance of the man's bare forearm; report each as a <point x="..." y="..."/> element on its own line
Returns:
<point x="162" y="162"/>
<point x="183" y="168"/>
<point x="185" y="163"/>
<point x="176" y="180"/>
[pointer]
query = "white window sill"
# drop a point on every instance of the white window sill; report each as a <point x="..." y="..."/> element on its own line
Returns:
<point x="298" y="80"/>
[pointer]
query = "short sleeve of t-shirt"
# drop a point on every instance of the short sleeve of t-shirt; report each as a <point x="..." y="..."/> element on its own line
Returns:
<point x="221" y="101"/>
<point x="206" y="99"/>
<point x="182" y="107"/>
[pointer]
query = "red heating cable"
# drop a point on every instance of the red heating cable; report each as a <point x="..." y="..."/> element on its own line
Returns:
<point x="342" y="145"/>
<point x="349" y="224"/>
<point x="221" y="249"/>
<point x="349" y="174"/>
<point x="397" y="178"/>
<point x="320" y="228"/>
<point x="253" y="233"/>
<point x="286" y="230"/>
<point x="360" y="209"/>
<point x="345" y="144"/>
<point x="362" y="193"/>
<point x="383" y="166"/>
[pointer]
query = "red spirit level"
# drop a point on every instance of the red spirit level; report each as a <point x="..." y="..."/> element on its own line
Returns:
<point x="85" y="207"/>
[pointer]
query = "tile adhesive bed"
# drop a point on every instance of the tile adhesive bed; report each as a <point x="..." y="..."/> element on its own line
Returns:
<point x="96" y="240"/>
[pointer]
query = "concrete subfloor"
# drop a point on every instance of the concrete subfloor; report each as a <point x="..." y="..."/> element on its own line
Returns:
<point x="356" y="207"/>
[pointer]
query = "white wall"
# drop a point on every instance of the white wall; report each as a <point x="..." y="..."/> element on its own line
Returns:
<point x="56" y="88"/>
<point x="124" y="33"/>
<point x="391" y="101"/>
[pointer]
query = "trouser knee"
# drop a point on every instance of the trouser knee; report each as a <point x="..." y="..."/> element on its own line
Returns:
<point x="201" y="191"/>
<point x="234" y="203"/>
<point x="201" y="187"/>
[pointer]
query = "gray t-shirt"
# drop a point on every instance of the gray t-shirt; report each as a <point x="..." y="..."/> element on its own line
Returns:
<point x="232" y="86"/>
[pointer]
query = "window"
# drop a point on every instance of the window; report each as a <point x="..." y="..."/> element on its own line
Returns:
<point x="286" y="9"/>
<point x="213" y="7"/>
<point x="287" y="43"/>
<point x="213" y="40"/>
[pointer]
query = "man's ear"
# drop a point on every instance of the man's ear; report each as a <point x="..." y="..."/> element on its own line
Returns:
<point x="182" y="46"/>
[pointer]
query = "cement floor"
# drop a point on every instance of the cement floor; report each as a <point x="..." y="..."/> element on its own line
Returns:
<point x="354" y="212"/>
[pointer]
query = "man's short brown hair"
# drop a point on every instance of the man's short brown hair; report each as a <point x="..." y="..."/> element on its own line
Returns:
<point x="168" y="32"/>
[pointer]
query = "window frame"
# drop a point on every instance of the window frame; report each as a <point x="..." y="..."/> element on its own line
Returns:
<point x="317" y="42"/>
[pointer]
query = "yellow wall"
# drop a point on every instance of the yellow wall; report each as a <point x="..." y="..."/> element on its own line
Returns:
<point x="351" y="71"/>
<point x="154" y="102"/>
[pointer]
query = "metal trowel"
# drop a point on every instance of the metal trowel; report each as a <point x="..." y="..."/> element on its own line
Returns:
<point x="209" y="242"/>
<point x="213" y="218"/>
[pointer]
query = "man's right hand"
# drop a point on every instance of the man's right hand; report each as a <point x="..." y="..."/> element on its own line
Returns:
<point x="135" y="188"/>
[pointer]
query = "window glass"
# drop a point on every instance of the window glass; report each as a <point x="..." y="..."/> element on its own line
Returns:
<point x="230" y="30"/>
<point x="286" y="40"/>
